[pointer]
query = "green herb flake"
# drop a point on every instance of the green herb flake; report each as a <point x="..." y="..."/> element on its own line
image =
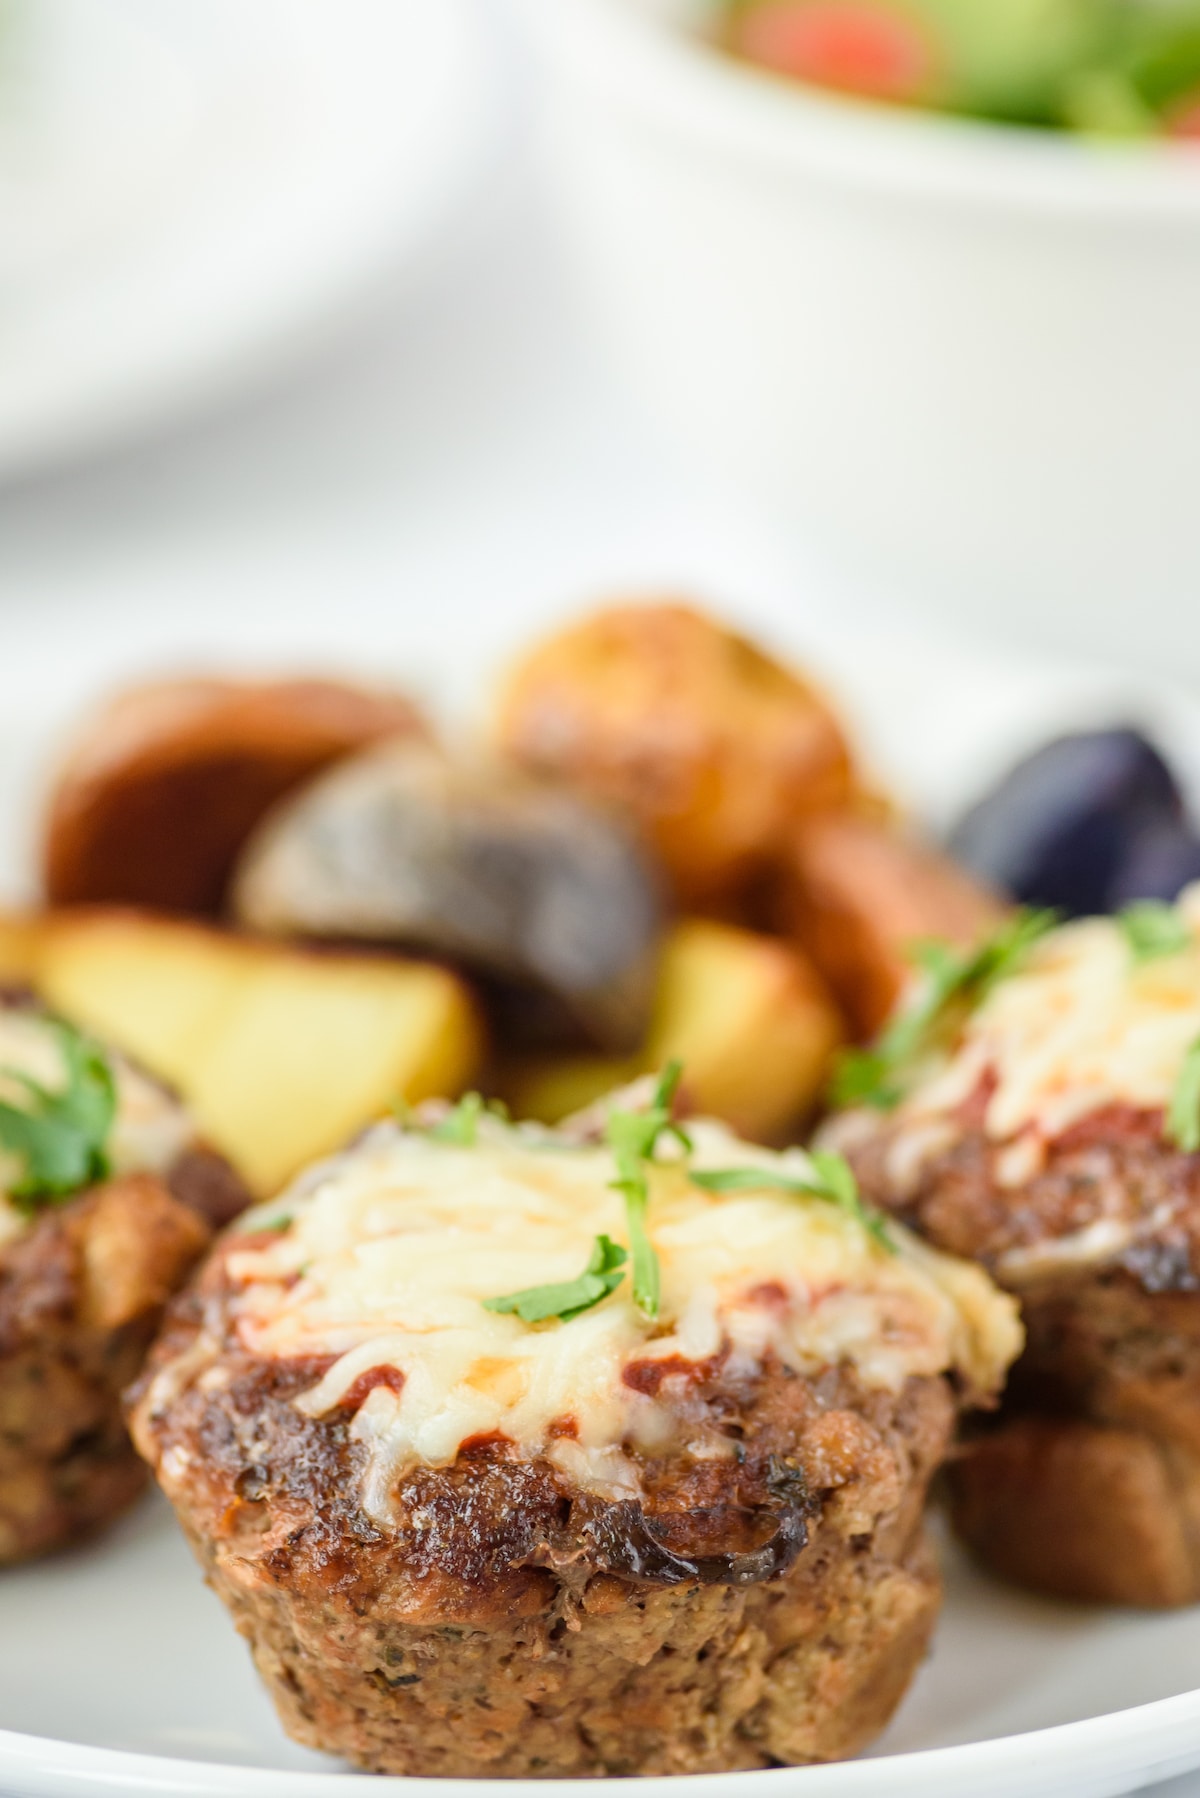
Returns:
<point x="61" y="1135"/>
<point x="1183" y="1114"/>
<point x="633" y="1137"/>
<point x="956" y="981"/>
<point x="832" y="1179"/>
<point x="1153" y="929"/>
<point x="863" y="1077"/>
<point x="569" y="1298"/>
<point x="460" y="1126"/>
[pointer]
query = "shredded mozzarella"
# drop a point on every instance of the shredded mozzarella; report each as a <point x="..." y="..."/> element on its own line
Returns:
<point x="1082" y="1025"/>
<point x="391" y="1249"/>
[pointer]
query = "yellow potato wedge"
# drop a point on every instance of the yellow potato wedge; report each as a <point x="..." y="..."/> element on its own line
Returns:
<point x="282" y="1053"/>
<point x="20" y="943"/>
<point x="746" y="1014"/>
<point x="858" y="894"/>
<point x="157" y="988"/>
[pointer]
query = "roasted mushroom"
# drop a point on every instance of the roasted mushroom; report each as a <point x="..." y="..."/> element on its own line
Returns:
<point x="518" y="879"/>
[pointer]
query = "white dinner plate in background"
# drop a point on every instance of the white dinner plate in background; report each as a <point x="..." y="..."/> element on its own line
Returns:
<point x="190" y="188"/>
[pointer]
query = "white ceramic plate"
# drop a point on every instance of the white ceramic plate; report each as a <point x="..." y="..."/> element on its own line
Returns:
<point x="190" y="188"/>
<point x="119" y="1673"/>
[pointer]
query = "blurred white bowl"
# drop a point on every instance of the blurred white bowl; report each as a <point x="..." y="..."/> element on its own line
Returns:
<point x="192" y="191"/>
<point x="965" y="356"/>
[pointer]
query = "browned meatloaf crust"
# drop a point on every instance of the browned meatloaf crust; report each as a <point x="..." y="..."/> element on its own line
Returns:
<point x="770" y="1606"/>
<point x="81" y="1295"/>
<point x="1086" y="1484"/>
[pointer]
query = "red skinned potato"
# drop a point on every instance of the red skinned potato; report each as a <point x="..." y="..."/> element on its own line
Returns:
<point x="711" y="746"/>
<point x="857" y="895"/>
<point x="162" y="788"/>
<point x="1085" y="1511"/>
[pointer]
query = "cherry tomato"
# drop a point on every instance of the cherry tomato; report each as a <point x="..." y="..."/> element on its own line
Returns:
<point x="1183" y="120"/>
<point x="852" y="45"/>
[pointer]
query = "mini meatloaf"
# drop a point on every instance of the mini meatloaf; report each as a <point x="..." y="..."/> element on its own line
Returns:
<point x="106" y="1202"/>
<point x="460" y="1542"/>
<point x="1050" y="1130"/>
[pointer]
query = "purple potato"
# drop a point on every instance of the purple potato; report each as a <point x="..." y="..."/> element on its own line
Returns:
<point x="1159" y="863"/>
<point x="542" y="893"/>
<point x="1059" y="828"/>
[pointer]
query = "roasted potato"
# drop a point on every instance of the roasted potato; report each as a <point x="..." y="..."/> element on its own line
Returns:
<point x="748" y="1017"/>
<point x="516" y="878"/>
<point x="1081" y="1510"/>
<point x="281" y="1053"/>
<point x="20" y="939"/>
<point x="161" y="790"/>
<point x="857" y="894"/>
<point x="713" y="747"/>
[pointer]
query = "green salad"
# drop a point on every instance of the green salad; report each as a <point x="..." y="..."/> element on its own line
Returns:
<point x="1113" y="67"/>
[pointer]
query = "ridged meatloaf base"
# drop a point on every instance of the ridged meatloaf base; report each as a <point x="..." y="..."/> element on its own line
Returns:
<point x="615" y="1679"/>
<point x="513" y="1624"/>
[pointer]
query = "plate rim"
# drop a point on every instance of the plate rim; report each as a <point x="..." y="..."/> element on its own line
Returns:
<point x="1104" y="1746"/>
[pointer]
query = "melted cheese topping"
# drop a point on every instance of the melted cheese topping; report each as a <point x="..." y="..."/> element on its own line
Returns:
<point x="1081" y="1026"/>
<point x="150" y="1131"/>
<point x="391" y="1249"/>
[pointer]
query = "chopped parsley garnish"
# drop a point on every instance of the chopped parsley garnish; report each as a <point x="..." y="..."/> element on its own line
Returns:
<point x="863" y="1077"/>
<point x="460" y="1124"/>
<point x="60" y="1134"/>
<point x="1183" y="1113"/>
<point x="832" y="1179"/>
<point x="1153" y="929"/>
<point x="602" y="1275"/>
<point x="956" y="980"/>
<point x="633" y="1137"/>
